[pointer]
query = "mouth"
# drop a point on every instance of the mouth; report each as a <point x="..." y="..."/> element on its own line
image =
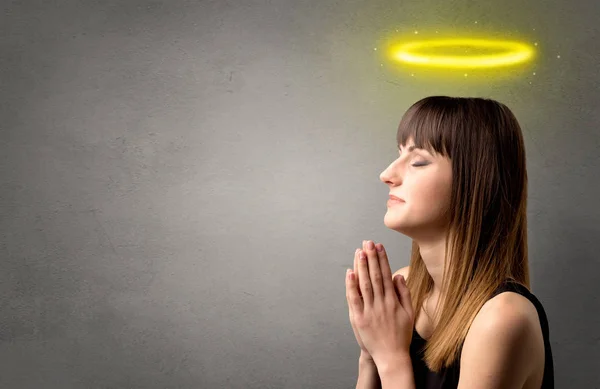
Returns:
<point x="394" y="198"/>
<point x="394" y="201"/>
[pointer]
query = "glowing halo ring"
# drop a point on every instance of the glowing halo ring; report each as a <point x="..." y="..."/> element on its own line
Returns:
<point x="511" y="53"/>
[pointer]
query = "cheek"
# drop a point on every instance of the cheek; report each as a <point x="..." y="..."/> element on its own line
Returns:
<point x="431" y="196"/>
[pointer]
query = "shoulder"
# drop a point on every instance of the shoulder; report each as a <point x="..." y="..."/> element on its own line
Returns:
<point x="403" y="272"/>
<point x="498" y="351"/>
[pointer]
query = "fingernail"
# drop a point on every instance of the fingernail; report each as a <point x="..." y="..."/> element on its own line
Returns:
<point x="370" y="245"/>
<point x="379" y="247"/>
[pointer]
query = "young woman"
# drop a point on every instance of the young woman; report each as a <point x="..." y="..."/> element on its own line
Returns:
<point x="465" y="316"/>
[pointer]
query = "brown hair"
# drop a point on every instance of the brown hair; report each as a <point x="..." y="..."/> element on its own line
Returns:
<point x="487" y="232"/>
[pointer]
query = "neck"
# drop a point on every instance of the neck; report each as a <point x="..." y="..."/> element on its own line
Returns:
<point x="434" y="258"/>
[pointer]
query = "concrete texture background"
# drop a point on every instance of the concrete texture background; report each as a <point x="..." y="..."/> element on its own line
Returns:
<point x="183" y="184"/>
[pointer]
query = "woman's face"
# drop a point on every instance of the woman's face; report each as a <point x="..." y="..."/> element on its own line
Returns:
<point x="423" y="181"/>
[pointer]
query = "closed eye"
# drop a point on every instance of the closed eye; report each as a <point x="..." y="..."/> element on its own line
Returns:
<point x="420" y="164"/>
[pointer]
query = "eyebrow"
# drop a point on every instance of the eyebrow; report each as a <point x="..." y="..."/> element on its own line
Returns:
<point x="411" y="148"/>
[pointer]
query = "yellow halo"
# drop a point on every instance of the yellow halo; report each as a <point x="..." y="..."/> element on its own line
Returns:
<point x="510" y="53"/>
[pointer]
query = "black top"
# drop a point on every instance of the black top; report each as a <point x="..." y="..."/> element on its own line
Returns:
<point x="448" y="377"/>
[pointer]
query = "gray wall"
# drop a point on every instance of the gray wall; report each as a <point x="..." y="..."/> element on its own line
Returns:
<point x="183" y="184"/>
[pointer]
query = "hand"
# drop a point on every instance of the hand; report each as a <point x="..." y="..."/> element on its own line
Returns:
<point x="364" y="354"/>
<point x="383" y="318"/>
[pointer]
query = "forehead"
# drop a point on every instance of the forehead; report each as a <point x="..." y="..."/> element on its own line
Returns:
<point x="409" y="142"/>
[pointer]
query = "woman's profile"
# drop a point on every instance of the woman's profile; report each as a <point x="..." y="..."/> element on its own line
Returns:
<point x="458" y="190"/>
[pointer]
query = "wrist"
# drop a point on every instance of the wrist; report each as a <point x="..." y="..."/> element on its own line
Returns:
<point x="368" y="377"/>
<point x="365" y="361"/>
<point x="396" y="364"/>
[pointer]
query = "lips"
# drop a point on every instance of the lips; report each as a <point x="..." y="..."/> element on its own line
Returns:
<point x="392" y="197"/>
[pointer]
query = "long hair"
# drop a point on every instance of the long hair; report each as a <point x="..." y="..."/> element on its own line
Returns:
<point x="487" y="234"/>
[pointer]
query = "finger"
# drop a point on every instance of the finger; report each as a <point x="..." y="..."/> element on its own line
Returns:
<point x="386" y="272"/>
<point x="356" y="270"/>
<point x="374" y="271"/>
<point x="365" y="282"/>
<point x="347" y="288"/>
<point x="354" y="300"/>
<point x="348" y="293"/>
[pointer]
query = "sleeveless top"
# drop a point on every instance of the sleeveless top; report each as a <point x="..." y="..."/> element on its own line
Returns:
<point x="447" y="378"/>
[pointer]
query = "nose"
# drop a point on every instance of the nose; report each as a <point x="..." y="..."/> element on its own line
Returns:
<point x="384" y="176"/>
<point x="391" y="175"/>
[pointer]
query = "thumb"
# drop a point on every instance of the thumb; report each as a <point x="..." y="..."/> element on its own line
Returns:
<point x="398" y="286"/>
<point x="403" y="294"/>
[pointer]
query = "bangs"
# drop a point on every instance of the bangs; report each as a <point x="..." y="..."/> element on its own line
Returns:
<point x="428" y="123"/>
